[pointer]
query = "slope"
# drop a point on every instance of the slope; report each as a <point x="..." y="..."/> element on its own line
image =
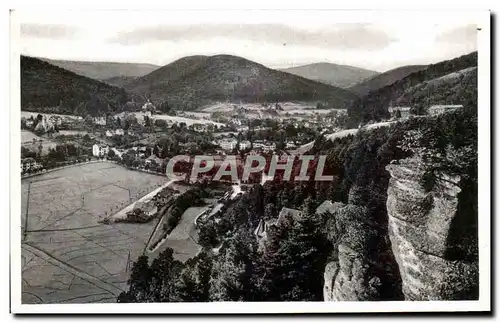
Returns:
<point x="384" y="79"/>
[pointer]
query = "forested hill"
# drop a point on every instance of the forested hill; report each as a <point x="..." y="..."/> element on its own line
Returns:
<point x="51" y="89"/>
<point x="374" y="105"/>
<point x="384" y="79"/>
<point x="197" y="80"/>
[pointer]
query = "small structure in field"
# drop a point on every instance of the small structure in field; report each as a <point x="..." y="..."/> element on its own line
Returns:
<point x="399" y="112"/>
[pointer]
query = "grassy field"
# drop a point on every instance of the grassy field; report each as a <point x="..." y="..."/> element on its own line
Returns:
<point x="27" y="142"/>
<point x="183" y="239"/>
<point x="67" y="255"/>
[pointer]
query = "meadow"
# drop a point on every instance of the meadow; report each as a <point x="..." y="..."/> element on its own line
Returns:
<point x="67" y="255"/>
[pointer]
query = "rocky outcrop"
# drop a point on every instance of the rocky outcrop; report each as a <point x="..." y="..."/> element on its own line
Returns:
<point x="351" y="275"/>
<point x="420" y="230"/>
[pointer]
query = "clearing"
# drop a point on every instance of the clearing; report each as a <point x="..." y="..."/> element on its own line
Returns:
<point x="67" y="256"/>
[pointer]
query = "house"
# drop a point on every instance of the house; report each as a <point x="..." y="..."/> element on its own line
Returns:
<point x="153" y="161"/>
<point x="227" y="144"/>
<point x="236" y="122"/>
<point x="118" y="153"/>
<point x="30" y="164"/>
<point x="404" y="112"/>
<point x="242" y="128"/>
<point x="100" y="120"/>
<point x="100" y="150"/>
<point x="56" y="120"/>
<point x="142" y="151"/>
<point x="119" y="132"/>
<point x="265" y="146"/>
<point x="45" y="125"/>
<point x="109" y="133"/>
<point x="149" y="107"/>
<point x="245" y="144"/>
<point x="438" y="109"/>
<point x="269" y="147"/>
<point x="199" y="127"/>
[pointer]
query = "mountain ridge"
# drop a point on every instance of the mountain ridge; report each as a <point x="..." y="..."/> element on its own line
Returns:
<point x="103" y="70"/>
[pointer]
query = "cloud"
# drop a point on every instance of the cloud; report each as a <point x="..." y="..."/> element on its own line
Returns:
<point x="338" y="36"/>
<point x="48" y="31"/>
<point x="457" y="36"/>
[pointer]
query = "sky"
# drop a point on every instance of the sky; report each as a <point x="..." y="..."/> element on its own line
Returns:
<point x="378" y="42"/>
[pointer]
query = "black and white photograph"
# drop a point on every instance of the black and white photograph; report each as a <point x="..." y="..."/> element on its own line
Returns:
<point x="249" y="161"/>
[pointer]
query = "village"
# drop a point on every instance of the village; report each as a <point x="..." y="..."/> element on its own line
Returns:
<point x="141" y="139"/>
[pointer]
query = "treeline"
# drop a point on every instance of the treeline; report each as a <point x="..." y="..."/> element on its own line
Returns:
<point x="50" y="89"/>
<point x="373" y="106"/>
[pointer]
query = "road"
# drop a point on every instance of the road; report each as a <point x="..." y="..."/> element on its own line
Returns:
<point x="122" y="214"/>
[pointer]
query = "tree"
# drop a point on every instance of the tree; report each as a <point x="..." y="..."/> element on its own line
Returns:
<point x="111" y="154"/>
<point x="147" y="121"/>
<point x="233" y="271"/>
<point x="165" y="272"/>
<point x="88" y="120"/>
<point x="139" y="283"/>
<point x="208" y="235"/>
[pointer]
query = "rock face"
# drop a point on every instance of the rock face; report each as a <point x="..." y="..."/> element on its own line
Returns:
<point x="420" y="230"/>
<point x="352" y="274"/>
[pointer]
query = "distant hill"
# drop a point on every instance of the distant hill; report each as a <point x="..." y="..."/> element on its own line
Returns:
<point x="452" y="82"/>
<point x="193" y="81"/>
<point x="384" y="79"/>
<point x="342" y="76"/>
<point x="104" y="70"/>
<point x="48" y="88"/>
<point x="120" y="81"/>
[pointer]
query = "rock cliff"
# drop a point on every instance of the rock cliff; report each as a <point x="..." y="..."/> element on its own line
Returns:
<point x="421" y="233"/>
<point x="425" y="249"/>
<point x="356" y="271"/>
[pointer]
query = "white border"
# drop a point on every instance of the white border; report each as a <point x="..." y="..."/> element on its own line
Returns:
<point x="481" y="18"/>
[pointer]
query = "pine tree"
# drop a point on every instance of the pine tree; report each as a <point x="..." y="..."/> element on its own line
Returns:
<point x="165" y="271"/>
<point x="139" y="282"/>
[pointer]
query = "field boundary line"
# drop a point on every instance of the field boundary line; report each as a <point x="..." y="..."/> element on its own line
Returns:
<point x="72" y="270"/>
